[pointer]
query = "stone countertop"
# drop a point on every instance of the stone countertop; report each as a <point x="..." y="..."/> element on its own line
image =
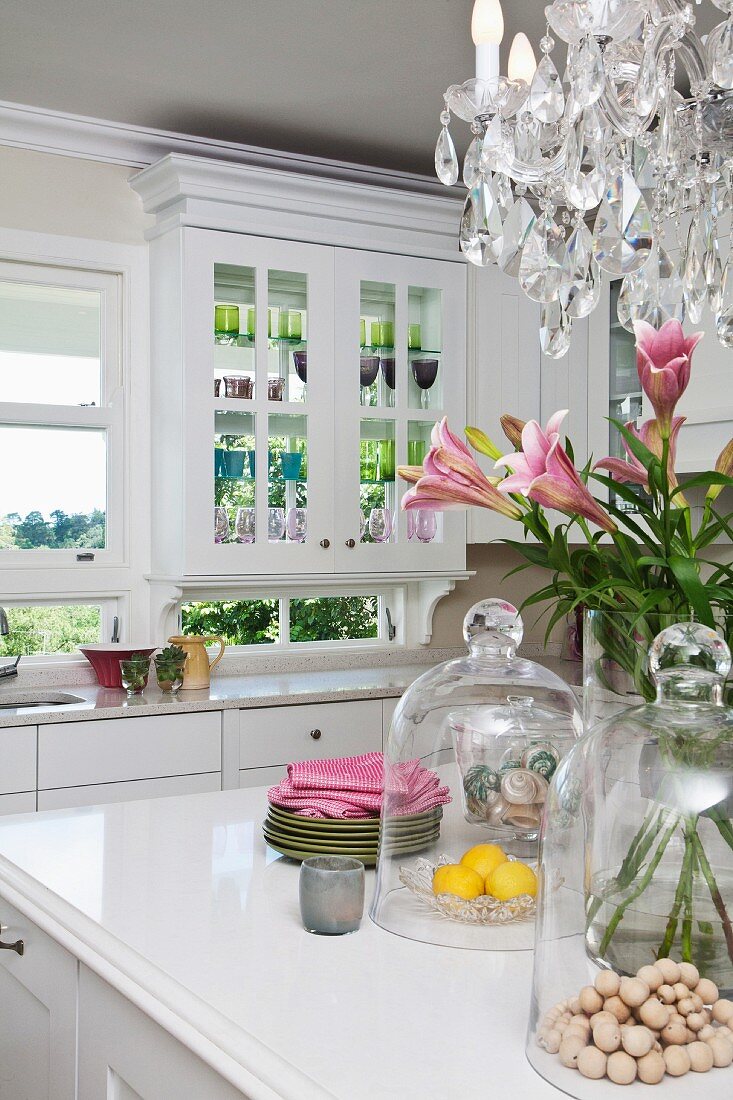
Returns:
<point x="278" y="1012"/>
<point x="271" y="689"/>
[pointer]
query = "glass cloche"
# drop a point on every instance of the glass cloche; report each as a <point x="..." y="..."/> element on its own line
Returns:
<point x="636" y="890"/>
<point x="487" y="732"/>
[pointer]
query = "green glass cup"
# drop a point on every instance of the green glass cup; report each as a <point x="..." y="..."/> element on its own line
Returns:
<point x="251" y="321"/>
<point x="415" y="452"/>
<point x="226" y="324"/>
<point x="289" y="324"/>
<point x="368" y="460"/>
<point x="362" y="332"/>
<point x="386" y="334"/>
<point x="385" y="460"/>
<point x="374" y="337"/>
<point x="413" y="337"/>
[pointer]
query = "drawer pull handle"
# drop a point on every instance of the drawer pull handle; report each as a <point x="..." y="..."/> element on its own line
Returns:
<point x="351" y="543"/>
<point x="325" y="544"/>
<point x="316" y="735"/>
<point x="18" y="946"/>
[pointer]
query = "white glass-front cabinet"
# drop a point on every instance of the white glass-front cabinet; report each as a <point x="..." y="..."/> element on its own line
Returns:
<point x="290" y="381"/>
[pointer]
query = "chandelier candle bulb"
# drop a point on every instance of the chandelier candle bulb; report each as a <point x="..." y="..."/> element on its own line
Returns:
<point x="487" y="31"/>
<point x="522" y="61"/>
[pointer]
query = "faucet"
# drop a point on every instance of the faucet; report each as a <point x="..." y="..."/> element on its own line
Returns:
<point x="11" y="669"/>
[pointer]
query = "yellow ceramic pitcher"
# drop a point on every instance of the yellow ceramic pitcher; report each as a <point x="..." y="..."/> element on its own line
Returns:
<point x="196" y="671"/>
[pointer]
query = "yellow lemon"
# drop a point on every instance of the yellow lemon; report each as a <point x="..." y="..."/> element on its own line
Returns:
<point x="483" y="858"/>
<point x="511" y="879"/>
<point x="461" y="881"/>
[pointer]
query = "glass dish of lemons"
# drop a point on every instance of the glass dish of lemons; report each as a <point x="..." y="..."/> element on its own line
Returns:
<point x="486" y="886"/>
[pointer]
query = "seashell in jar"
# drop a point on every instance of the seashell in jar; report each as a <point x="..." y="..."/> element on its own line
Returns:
<point x="523" y="817"/>
<point x="542" y="758"/>
<point x="480" y="780"/>
<point x="522" y="787"/>
<point x="509" y="765"/>
<point x="480" y="807"/>
<point x="495" y="814"/>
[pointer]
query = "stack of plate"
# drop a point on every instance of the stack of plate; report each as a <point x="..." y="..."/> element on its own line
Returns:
<point x="300" y="837"/>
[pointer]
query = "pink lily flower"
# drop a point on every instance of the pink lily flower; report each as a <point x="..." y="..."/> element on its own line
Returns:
<point x="529" y="463"/>
<point x="663" y="360"/>
<point x="453" y="479"/>
<point x="630" y="469"/>
<point x="723" y="465"/>
<point x="544" y="473"/>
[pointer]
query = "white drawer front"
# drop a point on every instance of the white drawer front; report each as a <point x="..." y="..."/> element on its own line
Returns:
<point x="78" y="753"/>
<point x="278" y="735"/>
<point x="17" y="759"/>
<point x="262" y="777"/>
<point x="98" y="793"/>
<point x="18" y="803"/>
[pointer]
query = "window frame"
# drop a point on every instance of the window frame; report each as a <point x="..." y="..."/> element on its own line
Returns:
<point x="110" y="606"/>
<point x="392" y="598"/>
<point x="108" y="416"/>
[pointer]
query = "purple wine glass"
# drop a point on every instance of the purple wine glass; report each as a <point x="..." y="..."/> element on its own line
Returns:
<point x="425" y="371"/>
<point x="368" y="370"/>
<point x="300" y="359"/>
<point x="388" y="370"/>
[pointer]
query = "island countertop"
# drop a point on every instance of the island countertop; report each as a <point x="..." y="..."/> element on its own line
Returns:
<point x="180" y="905"/>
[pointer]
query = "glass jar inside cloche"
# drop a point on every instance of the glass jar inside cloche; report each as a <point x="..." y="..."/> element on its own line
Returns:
<point x="636" y="896"/>
<point x="493" y="727"/>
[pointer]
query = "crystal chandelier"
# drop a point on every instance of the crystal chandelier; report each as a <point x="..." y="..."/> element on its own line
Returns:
<point x="606" y="167"/>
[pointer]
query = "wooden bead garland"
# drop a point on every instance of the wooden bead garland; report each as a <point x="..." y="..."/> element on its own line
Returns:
<point x="665" y="1020"/>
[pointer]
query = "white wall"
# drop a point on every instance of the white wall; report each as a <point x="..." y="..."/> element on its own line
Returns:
<point x="69" y="196"/>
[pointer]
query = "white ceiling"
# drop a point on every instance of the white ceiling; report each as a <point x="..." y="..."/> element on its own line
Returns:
<point x="357" y="80"/>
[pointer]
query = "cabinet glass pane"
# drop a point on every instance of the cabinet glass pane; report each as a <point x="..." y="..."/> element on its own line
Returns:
<point x="287" y="321"/>
<point x="54" y="488"/>
<point x="377" y="490"/>
<point x="234" y="326"/>
<point x="424" y="347"/>
<point x="234" y="478"/>
<point x="422" y="526"/>
<point x="50" y="344"/>
<point x="287" y="488"/>
<point x="376" y="344"/>
<point x="625" y="396"/>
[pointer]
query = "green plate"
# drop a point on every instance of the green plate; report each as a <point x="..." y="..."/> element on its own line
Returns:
<point x="357" y="825"/>
<point x="325" y="846"/>
<point x="367" y="857"/>
<point x="340" y="836"/>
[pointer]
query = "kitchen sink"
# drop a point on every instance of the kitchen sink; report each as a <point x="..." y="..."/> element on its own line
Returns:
<point x="16" y="700"/>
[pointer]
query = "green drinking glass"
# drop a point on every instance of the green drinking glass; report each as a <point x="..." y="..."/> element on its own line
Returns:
<point x="385" y="460"/>
<point x="415" y="452"/>
<point x="413" y="336"/>
<point x="226" y="324"/>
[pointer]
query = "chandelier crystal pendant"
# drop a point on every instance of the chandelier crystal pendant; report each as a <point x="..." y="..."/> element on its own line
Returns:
<point x="596" y="163"/>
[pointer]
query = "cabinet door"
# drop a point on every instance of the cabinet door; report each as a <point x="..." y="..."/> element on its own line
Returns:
<point x="37" y="1014"/>
<point x="277" y="735"/>
<point x="504" y="374"/>
<point x="124" y="1055"/>
<point x="263" y="458"/>
<point x="400" y="356"/>
<point x="18" y="771"/>
<point x="118" y="749"/>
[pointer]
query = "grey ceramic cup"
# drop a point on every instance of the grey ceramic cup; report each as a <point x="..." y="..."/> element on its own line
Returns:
<point x="331" y="894"/>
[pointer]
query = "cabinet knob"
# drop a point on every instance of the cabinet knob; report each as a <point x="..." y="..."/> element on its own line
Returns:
<point x="316" y="735"/>
<point x="18" y="946"/>
<point x="325" y="544"/>
<point x="350" y="543"/>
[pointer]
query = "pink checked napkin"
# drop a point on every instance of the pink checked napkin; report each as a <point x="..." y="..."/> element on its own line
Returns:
<point x="352" y="786"/>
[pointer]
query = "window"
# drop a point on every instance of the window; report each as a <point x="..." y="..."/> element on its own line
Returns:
<point x="289" y="622"/>
<point x="60" y="414"/>
<point x="47" y="629"/>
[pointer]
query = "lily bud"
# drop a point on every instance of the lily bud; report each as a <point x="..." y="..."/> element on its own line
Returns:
<point x="512" y="428"/>
<point x="723" y="465"/>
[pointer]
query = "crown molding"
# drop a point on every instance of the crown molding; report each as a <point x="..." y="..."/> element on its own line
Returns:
<point x="46" y="131"/>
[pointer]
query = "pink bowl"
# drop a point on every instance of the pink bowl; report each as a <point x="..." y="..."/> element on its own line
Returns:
<point x="105" y="657"/>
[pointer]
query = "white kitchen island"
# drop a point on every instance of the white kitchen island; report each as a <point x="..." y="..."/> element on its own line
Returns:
<point x="163" y="940"/>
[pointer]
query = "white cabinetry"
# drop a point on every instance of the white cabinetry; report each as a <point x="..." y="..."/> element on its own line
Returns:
<point x="124" y="1055"/>
<point x="125" y="750"/>
<point x="18" y="771"/>
<point x="270" y="737"/>
<point x="37" y="1014"/>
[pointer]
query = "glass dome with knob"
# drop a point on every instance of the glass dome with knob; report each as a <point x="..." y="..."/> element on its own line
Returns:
<point x="636" y="895"/>
<point x="493" y="727"/>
